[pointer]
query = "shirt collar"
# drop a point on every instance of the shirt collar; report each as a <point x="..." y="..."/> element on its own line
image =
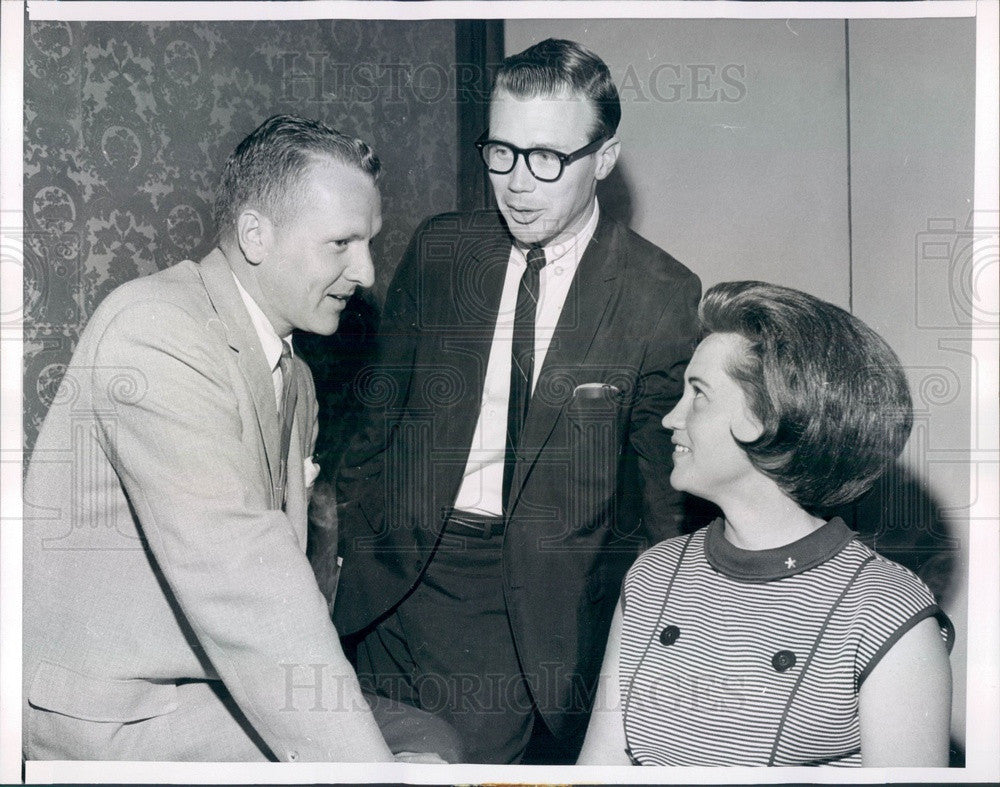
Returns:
<point x="764" y="565"/>
<point x="269" y="339"/>
<point x="569" y="251"/>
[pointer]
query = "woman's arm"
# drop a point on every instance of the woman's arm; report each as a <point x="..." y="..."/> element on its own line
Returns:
<point x="605" y="742"/>
<point x="905" y="702"/>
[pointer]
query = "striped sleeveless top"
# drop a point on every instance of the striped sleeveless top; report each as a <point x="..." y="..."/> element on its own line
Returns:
<point x="736" y="657"/>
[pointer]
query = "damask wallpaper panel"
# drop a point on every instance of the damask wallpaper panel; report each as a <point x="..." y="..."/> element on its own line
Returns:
<point x="128" y="124"/>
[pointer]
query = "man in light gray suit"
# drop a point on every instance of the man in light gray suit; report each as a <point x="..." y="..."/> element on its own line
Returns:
<point x="169" y="609"/>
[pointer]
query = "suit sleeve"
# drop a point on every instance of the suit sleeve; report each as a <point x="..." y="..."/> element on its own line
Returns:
<point x="171" y="424"/>
<point x="660" y="386"/>
<point x="383" y="389"/>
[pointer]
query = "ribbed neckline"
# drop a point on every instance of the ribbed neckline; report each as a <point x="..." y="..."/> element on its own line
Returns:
<point x="764" y="565"/>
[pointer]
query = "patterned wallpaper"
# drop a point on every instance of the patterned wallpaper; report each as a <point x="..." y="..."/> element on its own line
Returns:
<point x="127" y="126"/>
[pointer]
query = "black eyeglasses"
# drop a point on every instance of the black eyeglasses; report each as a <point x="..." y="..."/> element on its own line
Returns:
<point x="545" y="164"/>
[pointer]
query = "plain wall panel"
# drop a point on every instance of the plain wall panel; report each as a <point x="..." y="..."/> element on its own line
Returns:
<point x="911" y="199"/>
<point x="912" y="92"/>
<point x="734" y="154"/>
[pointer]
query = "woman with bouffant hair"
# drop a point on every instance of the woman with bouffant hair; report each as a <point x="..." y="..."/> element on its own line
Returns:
<point x="773" y="636"/>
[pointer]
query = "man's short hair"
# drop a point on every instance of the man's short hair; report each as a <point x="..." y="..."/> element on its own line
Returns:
<point x="830" y="394"/>
<point x="267" y="168"/>
<point x="554" y="65"/>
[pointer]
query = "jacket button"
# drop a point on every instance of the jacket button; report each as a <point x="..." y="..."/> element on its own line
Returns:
<point x="417" y="565"/>
<point x="293" y="756"/>
<point x="782" y="660"/>
<point x="669" y="635"/>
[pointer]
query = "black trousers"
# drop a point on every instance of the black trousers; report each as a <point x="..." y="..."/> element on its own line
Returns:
<point x="448" y="649"/>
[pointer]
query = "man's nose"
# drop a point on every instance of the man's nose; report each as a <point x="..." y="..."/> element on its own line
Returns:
<point x="521" y="178"/>
<point x="362" y="267"/>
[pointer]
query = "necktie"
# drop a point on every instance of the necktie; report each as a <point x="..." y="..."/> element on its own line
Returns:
<point x="289" y="396"/>
<point x="522" y="361"/>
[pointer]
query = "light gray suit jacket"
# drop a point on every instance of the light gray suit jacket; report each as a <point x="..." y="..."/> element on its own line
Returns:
<point x="169" y="609"/>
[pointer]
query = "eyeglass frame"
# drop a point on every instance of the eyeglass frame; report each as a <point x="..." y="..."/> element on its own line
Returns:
<point x="565" y="159"/>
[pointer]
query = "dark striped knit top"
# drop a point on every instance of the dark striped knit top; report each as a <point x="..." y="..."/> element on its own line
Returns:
<point x="735" y="657"/>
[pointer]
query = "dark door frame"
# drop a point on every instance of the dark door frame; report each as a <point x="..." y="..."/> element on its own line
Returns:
<point x="478" y="50"/>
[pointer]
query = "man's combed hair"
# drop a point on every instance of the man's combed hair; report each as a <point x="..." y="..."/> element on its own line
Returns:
<point x="553" y="65"/>
<point x="266" y="170"/>
<point x="830" y="393"/>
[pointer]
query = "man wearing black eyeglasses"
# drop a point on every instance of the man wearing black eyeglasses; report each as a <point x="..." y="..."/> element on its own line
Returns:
<point x="512" y="462"/>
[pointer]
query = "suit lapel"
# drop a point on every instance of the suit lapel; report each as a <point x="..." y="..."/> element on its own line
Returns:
<point x="586" y="303"/>
<point x="473" y="294"/>
<point x="296" y="502"/>
<point x="300" y="447"/>
<point x="221" y="288"/>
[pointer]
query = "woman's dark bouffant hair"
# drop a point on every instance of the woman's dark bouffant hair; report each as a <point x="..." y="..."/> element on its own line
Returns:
<point x="830" y="394"/>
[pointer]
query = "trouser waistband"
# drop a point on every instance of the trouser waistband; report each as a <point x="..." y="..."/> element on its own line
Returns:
<point x="466" y="523"/>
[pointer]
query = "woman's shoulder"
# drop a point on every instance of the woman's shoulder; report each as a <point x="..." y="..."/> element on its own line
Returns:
<point x="886" y="599"/>
<point x="878" y="576"/>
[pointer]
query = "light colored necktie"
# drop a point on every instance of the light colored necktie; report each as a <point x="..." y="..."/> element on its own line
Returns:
<point x="289" y="397"/>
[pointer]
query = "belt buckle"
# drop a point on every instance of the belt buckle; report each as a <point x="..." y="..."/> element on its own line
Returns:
<point x="469" y="528"/>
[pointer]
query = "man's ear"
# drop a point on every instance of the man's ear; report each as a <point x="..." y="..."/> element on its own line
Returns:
<point x="253" y="233"/>
<point x="607" y="158"/>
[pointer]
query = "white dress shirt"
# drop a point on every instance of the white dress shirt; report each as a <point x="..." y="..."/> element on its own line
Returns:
<point x="481" y="491"/>
<point x="269" y="340"/>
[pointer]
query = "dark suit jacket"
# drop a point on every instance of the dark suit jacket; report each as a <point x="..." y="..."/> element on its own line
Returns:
<point x="591" y="486"/>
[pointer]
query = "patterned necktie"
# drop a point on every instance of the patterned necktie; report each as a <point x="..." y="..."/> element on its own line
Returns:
<point x="289" y="396"/>
<point x="522" y="361"/>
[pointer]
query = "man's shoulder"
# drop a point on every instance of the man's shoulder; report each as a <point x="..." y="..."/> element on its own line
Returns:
<point x="177" y="284"/>
<point x="144" y="302"/>
<point x="650" y="259"/>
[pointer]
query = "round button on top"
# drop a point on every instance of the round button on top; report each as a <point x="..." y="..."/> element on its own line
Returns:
<point x="669" y="635"/>
<point x="783" y="660"/>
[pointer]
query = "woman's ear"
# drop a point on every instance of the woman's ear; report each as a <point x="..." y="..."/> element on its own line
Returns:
<point x="746" y="427"/>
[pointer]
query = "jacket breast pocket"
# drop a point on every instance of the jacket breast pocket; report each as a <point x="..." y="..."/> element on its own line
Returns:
<point x="595" y="422"/>
<point x="598" y="410"/>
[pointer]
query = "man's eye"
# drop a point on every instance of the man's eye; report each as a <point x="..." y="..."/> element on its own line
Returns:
<point x="342" y="243"/>
<point x="545" y="157"/>
<point x="500" y="154"/>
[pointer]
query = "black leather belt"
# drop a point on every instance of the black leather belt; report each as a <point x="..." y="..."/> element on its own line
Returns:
<point x="465" y="523"/>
